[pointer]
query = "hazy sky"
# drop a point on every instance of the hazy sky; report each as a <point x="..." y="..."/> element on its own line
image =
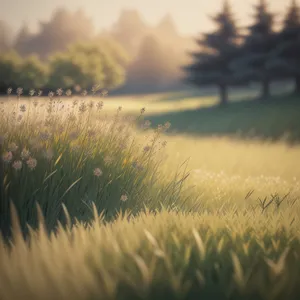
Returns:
<point x="190" y="15"/>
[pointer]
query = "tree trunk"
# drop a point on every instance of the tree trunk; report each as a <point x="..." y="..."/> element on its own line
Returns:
<point x="223" y="94"/>
<point x="297" y="85"/>
<point x="265" y="90"/>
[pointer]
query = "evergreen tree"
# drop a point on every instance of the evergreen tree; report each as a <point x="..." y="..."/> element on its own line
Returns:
<point x="253" y="62"/>
<point x="217" y="50"/>
<point x="287" y="51"/>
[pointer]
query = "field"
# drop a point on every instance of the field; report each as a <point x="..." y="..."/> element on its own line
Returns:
<point x="206" y="208"/>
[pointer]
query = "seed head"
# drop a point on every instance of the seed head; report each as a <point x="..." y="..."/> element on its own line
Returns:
<point x="31" y="92"/>
<point x="99" y="105"/>
<point x="40" y="93"/>
<point x="31" y="163"/>
<point x="19" y="91"/>
<point x="17" y="165"/>
<point x="124" y="198"/>
<point x="9" y="91"/>
<point x="68" y="92"/>
<point x="59" y="92"/>
<point x="143" y="110"/>
<point x="23" y="108"/>
<point x="98" y="172"/>
<point x="25" y="154"/>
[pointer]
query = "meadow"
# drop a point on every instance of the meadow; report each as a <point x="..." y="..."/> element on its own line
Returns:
<point x="111" y="201"/>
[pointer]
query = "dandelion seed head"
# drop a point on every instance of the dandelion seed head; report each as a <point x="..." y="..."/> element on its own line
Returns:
<point x="23" y="108"/>
<point x="19" y="91"/>
<point x="98" y="172"/>
<point x="17" y="165"/>
<point x="25" y="154"/>
<point x="31" y="163"/>
<point x="68" y="93"/>
<point x="124" y="198"/>
<point x="59" y="92"/>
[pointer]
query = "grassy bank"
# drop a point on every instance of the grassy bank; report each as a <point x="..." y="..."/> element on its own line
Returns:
<point x="222" y="213"/>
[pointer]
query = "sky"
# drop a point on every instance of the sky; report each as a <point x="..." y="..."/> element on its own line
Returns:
<point x="190" y="16"/>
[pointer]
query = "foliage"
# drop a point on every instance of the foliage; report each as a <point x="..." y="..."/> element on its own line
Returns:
<point x="253" y="62"/>
<point x="211" y="64"/>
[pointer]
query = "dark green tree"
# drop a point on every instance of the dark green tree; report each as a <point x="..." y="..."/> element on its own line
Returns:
<point x="211" y="64"/>
<point x="287" y="52"/>
<point x="253" y="62"/>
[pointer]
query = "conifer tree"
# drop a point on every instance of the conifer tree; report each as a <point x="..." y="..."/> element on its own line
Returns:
<point x="217" y="50"/>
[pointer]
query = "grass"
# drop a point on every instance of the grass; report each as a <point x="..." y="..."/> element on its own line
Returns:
<point x="223" y="225"/>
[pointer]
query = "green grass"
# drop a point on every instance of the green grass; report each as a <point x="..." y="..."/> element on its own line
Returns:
<point x="230" y="226"/>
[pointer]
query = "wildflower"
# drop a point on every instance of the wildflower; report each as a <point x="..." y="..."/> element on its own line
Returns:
<point x="75" y="101"/>
<point x="84" y="93"/>
<point x="124" y="198"/>
<point x="68" y="92"/>
<point x="7" y="157"/>
<point x="32" y="92"/>
<point x="48" y="154"/>
<point x="91" y="104"/>
<point x="40" y="92"/>
<point x="19" y="91"/>
<point x="25" y="154"/>
<point x="9" y="91"/>
<point x="98" y="172"/>
<point x="164" y="143"/>
<point x="51" y="95"/>
<point x="147" y="124"/>
<point x="17" y="165"/>
<point x="99" y="105"/>
<point x="59" y="92"/>
<point x="31" y="163"/>
<point x="23" y="108"/>
<point x="82" y="107"/>
<point x="143" y="110"/>
<point x="44" y="136"/>
<point x="167" y="125"/>
<point x="12" y="147"/>
<point x="147" y="148"/>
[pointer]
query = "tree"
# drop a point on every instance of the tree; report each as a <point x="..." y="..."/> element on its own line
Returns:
<point x="212" y="63"/>
<point x="286" y="54"/>
<point x="85" y="65"/>
<point x="253" y="62"/>
<point x="10" y="66"/>
<point x="33" y="73"/>
<point x="5" y="41"/>
<point x="63" y="29"/>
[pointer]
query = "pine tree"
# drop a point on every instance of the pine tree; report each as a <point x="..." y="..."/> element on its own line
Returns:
<point x="253" y="62"/>
<point x="287" y="51"/>
<point x="217" y="50"/>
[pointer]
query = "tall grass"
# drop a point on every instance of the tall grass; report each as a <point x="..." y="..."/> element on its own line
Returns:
<point x="69" y="152"/>
<point x="101" y="208"/>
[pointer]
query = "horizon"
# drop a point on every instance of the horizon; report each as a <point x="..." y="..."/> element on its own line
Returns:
<point x="190" y="16"/>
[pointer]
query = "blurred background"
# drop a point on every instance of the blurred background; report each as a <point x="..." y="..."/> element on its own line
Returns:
<point x="148" y="46"/>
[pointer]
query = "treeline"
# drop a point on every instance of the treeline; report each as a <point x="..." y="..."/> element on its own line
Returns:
<point x="86" y="64"/>
<point x="231" y="56"/>
<point x="153" y="55"/>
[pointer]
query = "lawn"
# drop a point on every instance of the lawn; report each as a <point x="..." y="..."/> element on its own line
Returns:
<point x="207" y="208"/>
